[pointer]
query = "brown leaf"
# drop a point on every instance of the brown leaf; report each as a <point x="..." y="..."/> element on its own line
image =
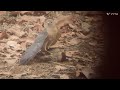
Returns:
<point x="87" y="72"/>
<point x="85" y="28"/>
<point x="74" y="41"/>
<point x="82" y="36"/>
<point x="2" y="55"/>
<point x="63" y="20"/>
<point x="78" y="66"/>
<point x="38" y="27"/>
<point x="12" y="61"/>
<point x="26" y="12"/>
<point x="58" y="67"/>
<point x="42" y="19"/>
<point x="31" y="18"/>
<point x="5" y="73"/>
<point x="14" y="13"/>
<point x="30" y="40"/>
<point x="16" y="29"/>
<point x="93" y="43"/>
<point x="68" y="34"/>
<point x="72" y="26"/>
<point x="13" y="37"/>
<point x="23" y="46"/>
<point x="71" y="53"/>
<point x="2" y="45"/>
<point x="3" y="35"/>
<point x="64" y="76"/>
<point x="78" y="73"/>
<point x="57" y="45"/>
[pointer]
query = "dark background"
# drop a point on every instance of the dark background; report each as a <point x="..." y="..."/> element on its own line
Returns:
<point x="110" y="67"/>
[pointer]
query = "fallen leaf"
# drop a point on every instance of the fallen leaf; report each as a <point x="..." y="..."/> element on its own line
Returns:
<point x="2" y="46"/>
<point x="39" y="13"/>
<point x="42" y="19"/>
<point x="26" y="12"/>
<point x="87" y="72"/>
<point x="74" y="41"/>
<point x="85" y="28"/>
<point x="93" y="43"/>
<point x="58" y="68"/>
<point x="11" y="61"/>
<point x="64" y="76"/>
<point x="68" y="34"/>
<point x="17" y="76"/>
<point x="71" y="53"/>
<point x="79" y="67"/>
<point x="72" y="26"/>
<point x="63" y="20"/>
<point x="13" y="37"/>
<point x="2" y="12"/>
<point x="14" y="13"/>
<point x="2" y="55"/>
<point x="31" y="18"/>
<point x="5" y="73"/>
<point x="77" y="73"/>
<point x="3" y="35"/>
<point x="57" y="45"/>
<point x="37" y="27"/>
<point x="16" y="29"/>
<point x="23" y="46"/>
<point x="82" y="36"/>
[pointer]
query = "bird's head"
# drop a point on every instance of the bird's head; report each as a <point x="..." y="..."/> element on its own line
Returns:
<point x="48" y="23"/>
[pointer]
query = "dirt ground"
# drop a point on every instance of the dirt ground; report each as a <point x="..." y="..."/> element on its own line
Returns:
<point x="81" y="43"/>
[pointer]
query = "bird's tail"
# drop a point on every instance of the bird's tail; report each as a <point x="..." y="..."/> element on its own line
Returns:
<point x="32" y="51"/>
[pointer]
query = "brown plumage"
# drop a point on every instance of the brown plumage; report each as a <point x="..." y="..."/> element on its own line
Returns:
<point x="44" y="40"/>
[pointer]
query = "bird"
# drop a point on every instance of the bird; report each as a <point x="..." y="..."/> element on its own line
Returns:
<point x="42" y="43"/>
<point x="53" y="35"/>
<point x="45" y="39"/>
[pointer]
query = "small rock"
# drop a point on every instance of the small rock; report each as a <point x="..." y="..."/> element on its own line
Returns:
<point x="11" y="43"/>
<point x="14" y="45"/>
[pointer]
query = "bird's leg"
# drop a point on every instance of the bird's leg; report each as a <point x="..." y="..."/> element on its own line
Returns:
<point x="48" y="52"/>
<point x="45" y="49"/>
<point x="48" y="47"/>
